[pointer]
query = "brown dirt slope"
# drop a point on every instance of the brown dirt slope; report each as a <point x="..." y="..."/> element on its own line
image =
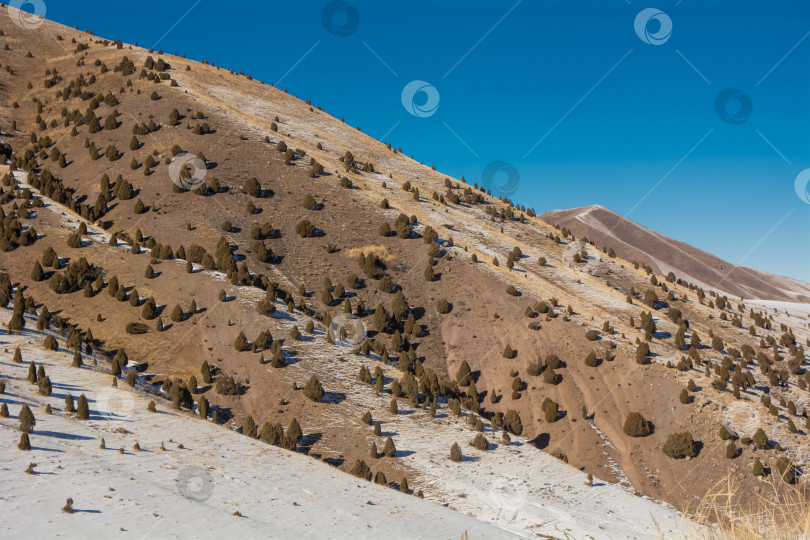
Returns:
<point x="634" y="242"/>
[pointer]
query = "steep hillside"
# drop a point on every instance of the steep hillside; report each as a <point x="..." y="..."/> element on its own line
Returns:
<point x="634" y="242"/>
<point x="477" y="317"/>
<point x="157" y="474"/>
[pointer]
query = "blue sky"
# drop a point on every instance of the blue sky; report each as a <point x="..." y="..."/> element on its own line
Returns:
<point x="567" y="92"/>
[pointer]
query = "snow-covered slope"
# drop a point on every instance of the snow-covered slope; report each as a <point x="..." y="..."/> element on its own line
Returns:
<point x="190" y="477"/>
<point x="191" y="491"/>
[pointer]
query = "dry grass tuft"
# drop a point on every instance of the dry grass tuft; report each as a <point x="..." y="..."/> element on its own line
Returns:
<point x="733" y="511"/>
<point x="371" y="249"/>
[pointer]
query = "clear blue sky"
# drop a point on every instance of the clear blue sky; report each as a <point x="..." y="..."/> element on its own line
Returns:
<point x="565" y="91"/>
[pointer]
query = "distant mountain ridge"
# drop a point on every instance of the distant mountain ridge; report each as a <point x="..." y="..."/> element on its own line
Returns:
<point x="635" y="242"/>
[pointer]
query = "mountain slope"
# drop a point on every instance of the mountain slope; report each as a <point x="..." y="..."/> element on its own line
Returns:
<point x="175" y="484"/>
<point x="462" y="279"/>
<point x="634" y="242"/>
<point x="490" y="485"/>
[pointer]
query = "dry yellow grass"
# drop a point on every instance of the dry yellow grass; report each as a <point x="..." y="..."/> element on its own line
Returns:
<point x="371" y="249"/>
<point x="779" y="510"/>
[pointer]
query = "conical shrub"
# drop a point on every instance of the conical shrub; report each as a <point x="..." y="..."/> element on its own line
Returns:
<point x="389" y="450"/>
<point x="294" y="432"/>
<point x="455" y="452"/>
<point x="480" y="442"/>
<point x="25" y="443"/>
<point x="27" y="420"/>
<point x="636" y="426"/>
<point x="680" y="445"/>
<point x="83" y="411"/>
<point x="313" y="389"/>
<point x="361" y="470"/>
<point x="32" y="372"/>
<point x="249" y="427"/>
<point x="241" y="343"/>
